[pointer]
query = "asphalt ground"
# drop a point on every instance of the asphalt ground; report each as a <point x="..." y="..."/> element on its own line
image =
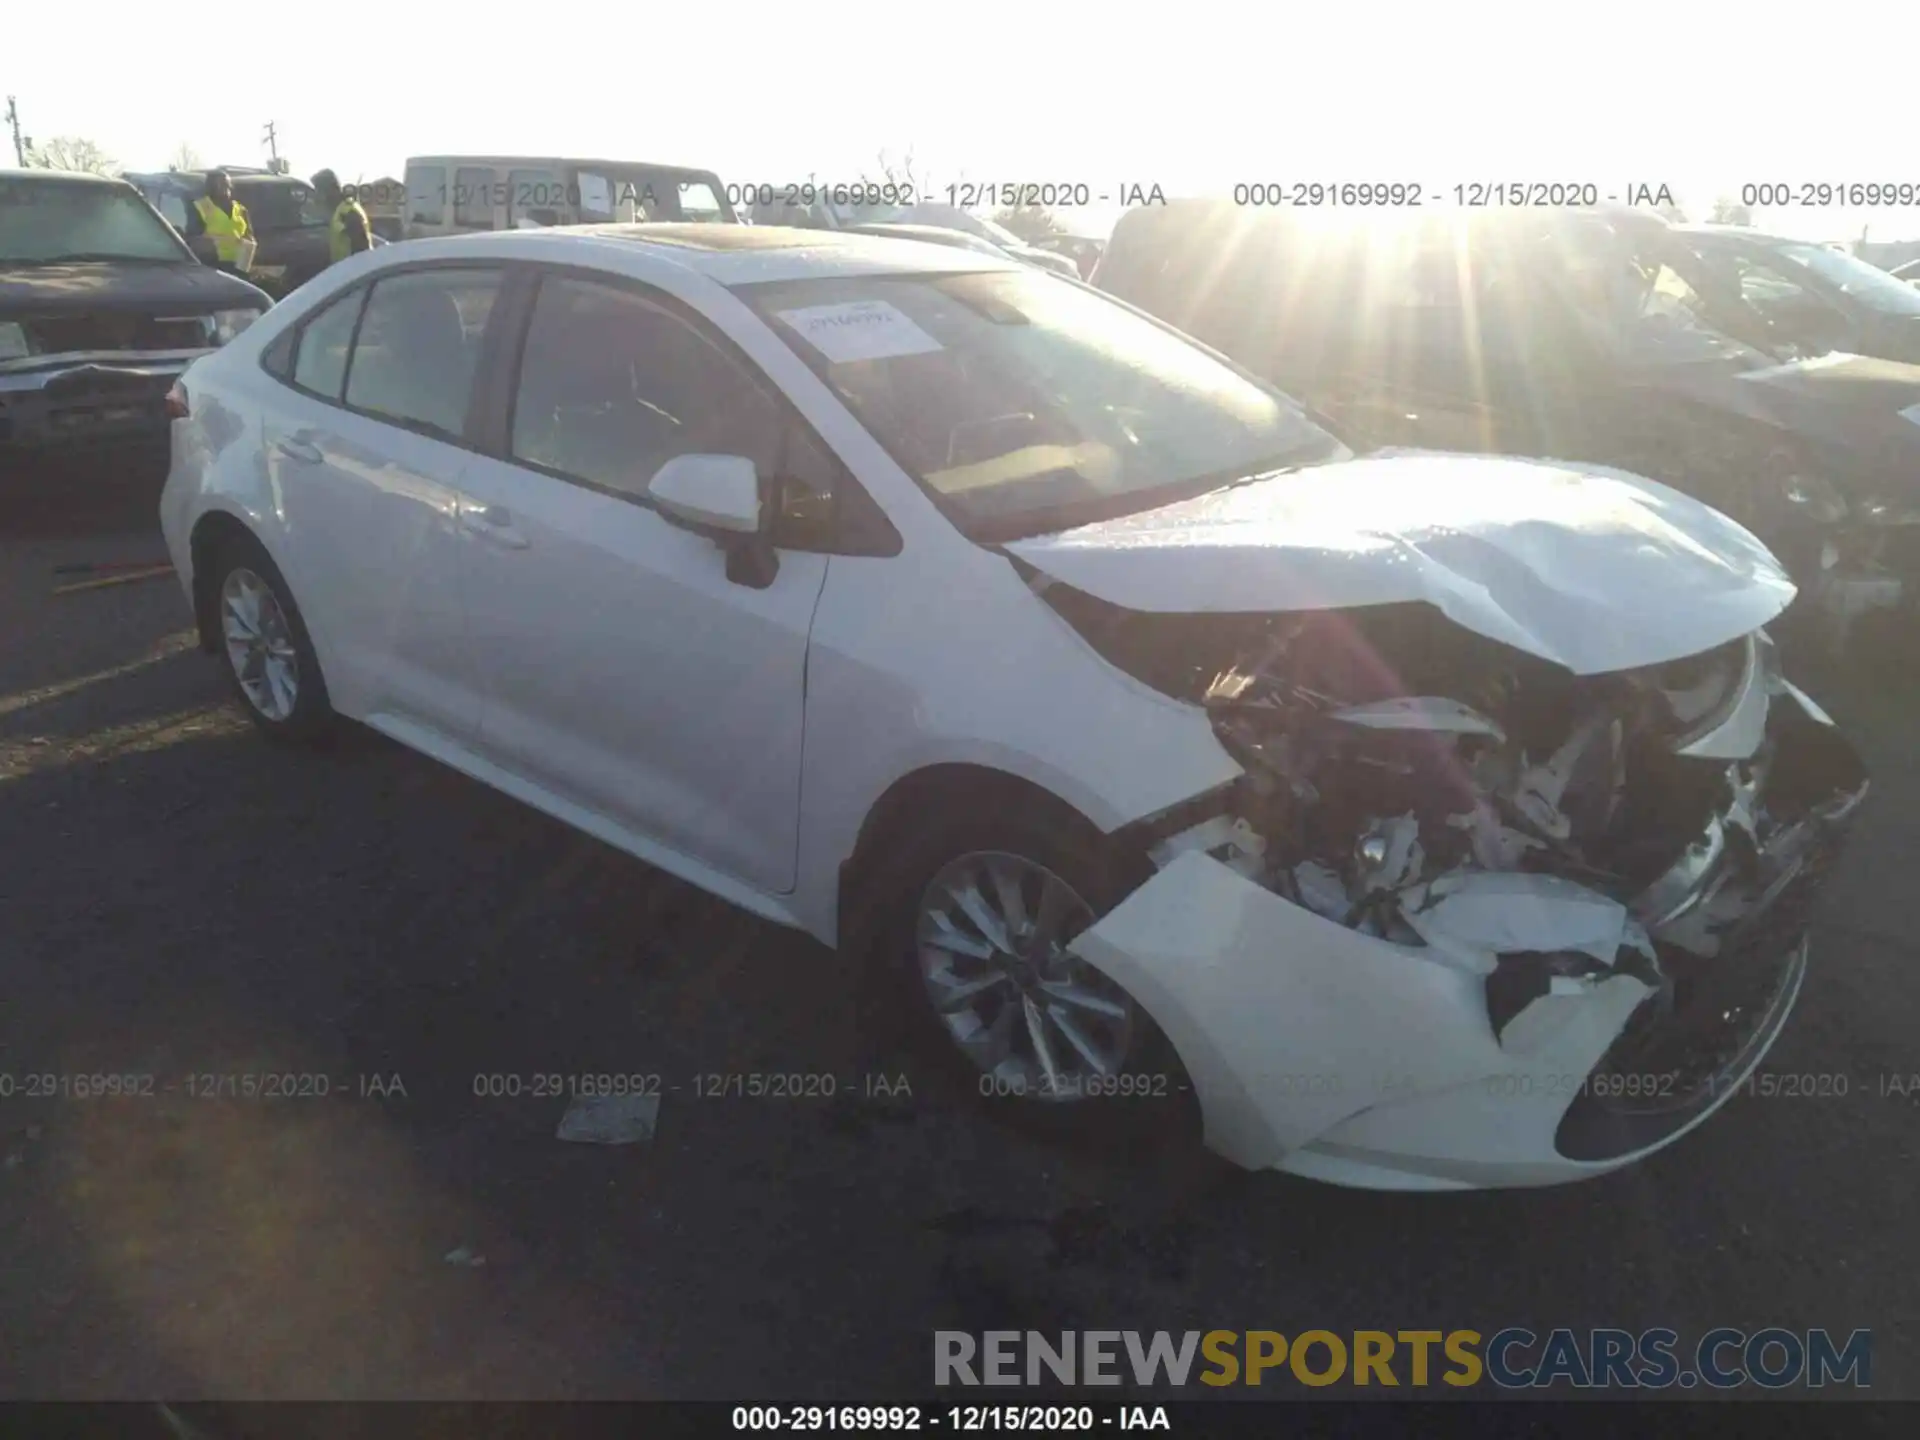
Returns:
<point x="181" y="900"/>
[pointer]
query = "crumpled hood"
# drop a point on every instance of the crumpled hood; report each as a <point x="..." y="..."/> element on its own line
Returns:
<point x="1594" y="569"/>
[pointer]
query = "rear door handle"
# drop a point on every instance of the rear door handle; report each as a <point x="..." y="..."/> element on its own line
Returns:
<point x="493" y="523"/>
<point x="300" y="450"/>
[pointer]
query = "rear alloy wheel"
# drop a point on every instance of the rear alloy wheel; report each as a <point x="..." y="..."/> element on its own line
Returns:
<point x="259" y="645"/>
<point x="269" y="654"/>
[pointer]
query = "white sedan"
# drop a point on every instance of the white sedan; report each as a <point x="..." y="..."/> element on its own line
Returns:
<point x="1432" y="821"/>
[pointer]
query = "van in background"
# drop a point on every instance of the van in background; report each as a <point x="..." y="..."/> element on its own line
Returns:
<point x="458" y="194"/>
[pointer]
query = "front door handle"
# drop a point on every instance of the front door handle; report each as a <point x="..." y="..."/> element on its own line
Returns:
<point x="301" y="450"/>
<point x="493" y="523"/>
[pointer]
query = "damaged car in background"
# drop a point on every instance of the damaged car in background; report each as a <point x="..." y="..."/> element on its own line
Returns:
<point x="1599" y="336"/>
<point x="1516" y="879"/>
<point x="1423" y="820"/>
<point x="101" y="308"/>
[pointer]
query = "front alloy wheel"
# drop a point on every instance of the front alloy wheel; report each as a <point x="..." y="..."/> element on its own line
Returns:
<point x="260" y="644"/>
<point x="991" y="937"/>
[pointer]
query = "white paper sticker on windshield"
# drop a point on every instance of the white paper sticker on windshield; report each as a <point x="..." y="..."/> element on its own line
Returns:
<point x="859" y="330"/>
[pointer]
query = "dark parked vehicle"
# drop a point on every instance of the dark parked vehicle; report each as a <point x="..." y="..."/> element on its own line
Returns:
<point x="289" y="221"/>
<point x="1795" y="297"/>
<point x="1083" y="250"/>
<point x="1562" y="334"/>
<point x="102" y="306"/>
<point x="963" y="240"/>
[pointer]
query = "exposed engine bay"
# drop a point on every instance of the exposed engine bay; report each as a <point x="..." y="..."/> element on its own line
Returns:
<point x="1540" y="831"/>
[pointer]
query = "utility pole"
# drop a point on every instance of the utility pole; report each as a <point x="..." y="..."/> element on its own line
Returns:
<point x="273" y="148"/>
<point x="20" y="143"/>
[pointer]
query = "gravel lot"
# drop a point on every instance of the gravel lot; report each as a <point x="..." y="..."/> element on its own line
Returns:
<point x="179" y="898"/>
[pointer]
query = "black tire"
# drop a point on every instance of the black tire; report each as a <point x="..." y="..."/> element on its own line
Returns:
<point x="312" y="716"/>
<point x="1161" y="1112"/>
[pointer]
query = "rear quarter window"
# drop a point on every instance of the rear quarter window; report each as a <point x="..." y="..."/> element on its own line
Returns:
<point x="320" y="354"/>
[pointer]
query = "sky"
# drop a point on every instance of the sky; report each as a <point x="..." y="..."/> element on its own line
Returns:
<point x="1194" y="97"/>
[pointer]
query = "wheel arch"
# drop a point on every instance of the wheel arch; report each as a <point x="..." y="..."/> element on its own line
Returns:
<point x="212" y="531"/>
<point x="943" y="783"/>
<point x="980" y="788"/>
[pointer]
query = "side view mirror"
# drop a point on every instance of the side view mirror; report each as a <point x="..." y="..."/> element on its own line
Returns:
<point x="709" y="492"/>
<point x="719" y="497"/>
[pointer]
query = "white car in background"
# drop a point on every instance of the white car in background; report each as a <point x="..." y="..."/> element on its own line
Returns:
<point x="1433" y="821"/>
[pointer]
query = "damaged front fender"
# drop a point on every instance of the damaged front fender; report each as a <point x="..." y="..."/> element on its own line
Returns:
<point x="1371" y="1023"/>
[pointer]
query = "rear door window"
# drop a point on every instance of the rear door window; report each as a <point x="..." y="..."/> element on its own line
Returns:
<point x="419" y="346"/>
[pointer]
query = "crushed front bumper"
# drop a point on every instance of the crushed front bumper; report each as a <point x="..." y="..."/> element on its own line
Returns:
<point x="1344" y="1057"/>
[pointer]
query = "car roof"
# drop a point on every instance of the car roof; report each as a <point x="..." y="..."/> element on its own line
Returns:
<point x="726" y="254"/>
<point x="60" y="177"/>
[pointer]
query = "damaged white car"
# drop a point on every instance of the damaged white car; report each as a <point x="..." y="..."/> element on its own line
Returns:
<point x="1441" y="821"/>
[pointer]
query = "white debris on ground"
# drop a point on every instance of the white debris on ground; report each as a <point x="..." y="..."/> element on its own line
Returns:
<point x="610" y="1119"/>
<point x="463" y="1256"/>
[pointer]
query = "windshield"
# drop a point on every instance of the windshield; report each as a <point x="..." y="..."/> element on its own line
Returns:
<point x="281" y="206"/>
<point x="1852" y="276"/>
<point x="42" y="221"/>
<point x="1029" y="406"/>
<point x="1627" y="287"/>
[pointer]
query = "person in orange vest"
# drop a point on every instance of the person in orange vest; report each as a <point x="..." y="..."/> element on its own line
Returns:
<point x="348" y="229"/>
<point x="223" y="220"/>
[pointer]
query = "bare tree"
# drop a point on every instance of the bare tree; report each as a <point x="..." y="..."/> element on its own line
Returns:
<point x="185" y="157"/>
<point x="1728" y="211"/>
<point x="70" y="152"/>
<point x="899" y="173"/>
<point x="1032" y="223"/>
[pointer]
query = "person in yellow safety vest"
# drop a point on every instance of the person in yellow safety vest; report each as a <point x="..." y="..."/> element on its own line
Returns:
<point x="348" y="229"/>
<point x="222" y="219"/>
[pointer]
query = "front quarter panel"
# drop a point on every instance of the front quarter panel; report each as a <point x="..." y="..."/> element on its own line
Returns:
<point x="943" y="655"/>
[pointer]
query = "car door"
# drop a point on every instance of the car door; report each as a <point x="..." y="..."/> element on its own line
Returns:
<point x="625" y="671"/>
<point x="365" y="455"/>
